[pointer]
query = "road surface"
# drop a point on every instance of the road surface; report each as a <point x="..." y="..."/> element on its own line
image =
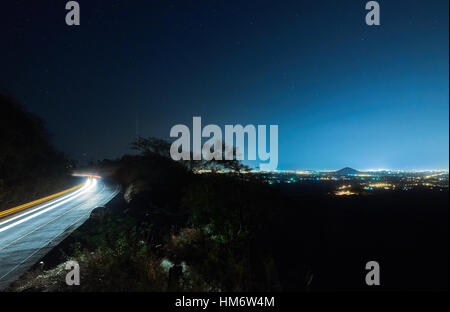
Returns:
<point x="26" y="236"/>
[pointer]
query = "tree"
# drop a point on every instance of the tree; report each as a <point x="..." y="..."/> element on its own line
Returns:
<point x="151" y="145"/>
<point x="28" y="162"/>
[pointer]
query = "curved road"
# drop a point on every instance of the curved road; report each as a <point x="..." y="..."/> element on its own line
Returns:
<point x="25" y="237"/>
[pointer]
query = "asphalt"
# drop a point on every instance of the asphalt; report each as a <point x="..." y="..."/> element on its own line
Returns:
<point x="27" y="236"/>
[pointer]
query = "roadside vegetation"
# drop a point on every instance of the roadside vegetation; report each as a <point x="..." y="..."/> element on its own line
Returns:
<point x="173" y="229"/>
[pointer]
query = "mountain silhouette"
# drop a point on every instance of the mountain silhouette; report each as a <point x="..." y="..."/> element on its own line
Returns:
<point x="347" y="171"/>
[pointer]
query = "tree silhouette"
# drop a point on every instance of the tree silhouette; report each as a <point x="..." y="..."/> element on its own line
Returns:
<point x="28" y="162"/>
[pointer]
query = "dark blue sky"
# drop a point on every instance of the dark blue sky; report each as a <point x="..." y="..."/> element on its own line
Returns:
<point x="342" y="93"/>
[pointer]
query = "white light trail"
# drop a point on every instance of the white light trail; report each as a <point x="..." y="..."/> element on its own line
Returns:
<point x="91" y="184"/>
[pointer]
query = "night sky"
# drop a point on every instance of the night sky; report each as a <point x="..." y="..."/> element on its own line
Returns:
<point x="342" y="93"/>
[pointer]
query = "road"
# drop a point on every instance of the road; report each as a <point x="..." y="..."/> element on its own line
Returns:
<point x="26" y="236"/>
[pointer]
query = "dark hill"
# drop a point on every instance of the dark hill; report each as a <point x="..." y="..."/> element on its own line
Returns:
<point x="29" y="165"/>
<point x="347" y="171"/>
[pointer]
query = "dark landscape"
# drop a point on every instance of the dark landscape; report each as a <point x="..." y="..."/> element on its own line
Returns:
<point x="172" y="229"/>
<point x="223" y="151"/>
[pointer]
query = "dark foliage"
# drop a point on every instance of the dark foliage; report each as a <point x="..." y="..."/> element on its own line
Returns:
<point x="232" y="231"/>
<point x="29" y="166"/>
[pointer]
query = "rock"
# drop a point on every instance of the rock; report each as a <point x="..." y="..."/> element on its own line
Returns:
<point x="129" y="193"/>
<point x="135" y="188"/>
<point x="98" y="212"/>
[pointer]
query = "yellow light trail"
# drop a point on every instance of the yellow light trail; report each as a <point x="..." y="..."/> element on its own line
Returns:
<point x="38" y="201"/>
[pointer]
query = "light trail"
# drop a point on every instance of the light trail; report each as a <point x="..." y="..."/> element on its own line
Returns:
<point x="28" y="234"/>
<point x="17" y="209"/>
<point x="89" y="185"/>
<point x="84" y="185"/>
